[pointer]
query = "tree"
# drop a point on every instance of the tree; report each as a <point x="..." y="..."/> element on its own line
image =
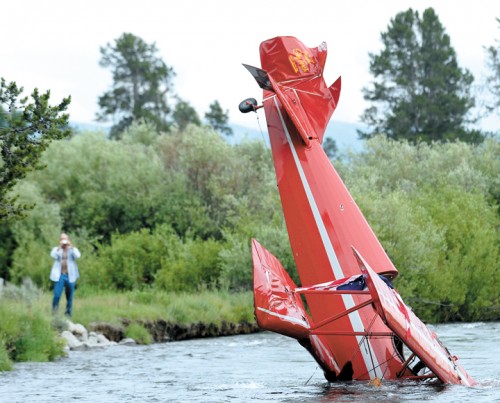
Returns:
<point x="185" y="114"/>
<point x="26" y="129"/>
<point x="141" y="85"/>
<point x="419" y="92"/>
<point x="493" y="80"/>
<point x="330" y="147"/>
<point x="218" y="119"/>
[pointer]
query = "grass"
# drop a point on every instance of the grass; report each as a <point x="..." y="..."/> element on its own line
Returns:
<point x="5" y="361"/>
<point x="139" y="333"/>
<point x="182" y="308"/>
<point x="26" y="334"/>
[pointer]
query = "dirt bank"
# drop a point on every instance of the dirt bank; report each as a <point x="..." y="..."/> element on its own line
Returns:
<point x="163" y="331"/>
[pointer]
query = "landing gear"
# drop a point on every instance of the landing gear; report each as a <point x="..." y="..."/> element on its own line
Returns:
<point x="249" y="105"/>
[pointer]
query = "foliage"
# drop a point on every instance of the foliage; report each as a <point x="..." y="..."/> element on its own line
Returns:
<point x="419" y="92"/>
<point x="104" y="186"/>
<point x="139" y="333"/>
<point x="155" y="214"/>
<point x="467" y="276"/>
<point x="195" y="264"/>
<point x="493" y="79"/>
<point x="223" y="184"/>
<point x="130" y="261"/>
<point x="435" y="211"/>
<point x="184" y="114"/>
<point x="26" y="129"/>
<point x="141" y="84"/>
<point x="26" y="333"/>
<point x="41" y="227"/>
<point x="236" y="257"/>
<point x="218" y="119"/>
<point x="330" y="147"/>
<point x="7" y="248"/>
<point x="140" y="259"/>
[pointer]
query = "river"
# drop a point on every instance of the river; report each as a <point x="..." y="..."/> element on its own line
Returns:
<point x="262" y="367"/>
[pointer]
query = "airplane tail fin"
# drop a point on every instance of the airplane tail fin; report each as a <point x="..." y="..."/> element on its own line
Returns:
<point x="277" y="307"/>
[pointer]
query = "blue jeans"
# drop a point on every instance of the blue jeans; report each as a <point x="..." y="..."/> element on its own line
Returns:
<point x="63" y="283"/>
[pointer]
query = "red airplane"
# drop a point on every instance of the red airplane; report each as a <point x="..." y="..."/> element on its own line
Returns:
<point x="356" y="325"/>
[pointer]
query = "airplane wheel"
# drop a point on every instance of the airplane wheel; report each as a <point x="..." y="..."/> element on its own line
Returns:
<point x="248" y="105"/>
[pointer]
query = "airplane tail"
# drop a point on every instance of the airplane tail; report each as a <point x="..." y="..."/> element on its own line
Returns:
<point x="277" y="307"/>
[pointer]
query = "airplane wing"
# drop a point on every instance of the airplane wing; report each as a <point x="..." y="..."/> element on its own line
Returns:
<point x="411" y="330"/>
<point x="277" y="307"/>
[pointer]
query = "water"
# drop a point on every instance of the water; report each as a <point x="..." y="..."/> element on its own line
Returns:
<point x="263" y="367"/>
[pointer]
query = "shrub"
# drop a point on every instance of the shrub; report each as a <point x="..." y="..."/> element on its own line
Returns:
<point x="139" y="333"/>
<point x="195" y="264"/>
<point x="130" y="261"/>
<point x="236" y="256"/>
<point x="26" y="333"/>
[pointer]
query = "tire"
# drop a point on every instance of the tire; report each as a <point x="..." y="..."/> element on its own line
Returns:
<point x="248" y="105"/>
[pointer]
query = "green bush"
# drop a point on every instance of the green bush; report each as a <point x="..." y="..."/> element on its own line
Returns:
<point x="194" y="265"/>
<point x="161" y="258"/>
<point x="466" y="281"/>
<point x="236" y="256"/>
<point x="104" y="186"/>
<point x="26" y="333"/>
<point x="130" y="261"/>
<point x="435" y="211"/>
<point x="35" y="236"/>
<point x="38" y="341"/>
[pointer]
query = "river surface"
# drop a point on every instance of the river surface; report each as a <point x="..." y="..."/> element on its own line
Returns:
<point x="262" y="367"/>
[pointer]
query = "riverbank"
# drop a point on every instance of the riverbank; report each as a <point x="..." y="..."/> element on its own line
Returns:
<point x="101" y="334"/>
<point x="29" y="331"/>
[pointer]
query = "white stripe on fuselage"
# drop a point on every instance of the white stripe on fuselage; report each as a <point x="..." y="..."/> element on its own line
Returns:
<point x="356" y="323"/>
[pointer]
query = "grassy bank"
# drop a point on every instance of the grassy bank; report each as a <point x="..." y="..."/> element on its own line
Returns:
<point x="26" y="333"/>
<point x="182" y="308"/>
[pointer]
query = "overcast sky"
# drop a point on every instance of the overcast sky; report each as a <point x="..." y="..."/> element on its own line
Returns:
<point x="54" y="44"/>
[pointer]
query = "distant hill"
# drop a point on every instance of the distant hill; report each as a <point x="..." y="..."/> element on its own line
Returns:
<point x="90" y="127"/>
<point x="344" y="133"/>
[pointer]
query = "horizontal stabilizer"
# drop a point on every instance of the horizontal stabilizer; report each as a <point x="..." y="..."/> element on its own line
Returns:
<point x="277" y="307"/>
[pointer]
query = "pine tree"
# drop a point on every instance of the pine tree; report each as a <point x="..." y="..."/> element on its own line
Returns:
<point x="218" y="119"/>
<point x="141" y="85"/>
<point x="26" y="129"/>
<point x="419" y="92"/>
<point x="184" y="114"/>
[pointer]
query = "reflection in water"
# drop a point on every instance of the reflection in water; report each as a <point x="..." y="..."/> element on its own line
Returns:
<point x="262" y="367"/>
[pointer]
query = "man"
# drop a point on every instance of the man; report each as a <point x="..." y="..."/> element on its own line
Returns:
<point x="64" y="272"/>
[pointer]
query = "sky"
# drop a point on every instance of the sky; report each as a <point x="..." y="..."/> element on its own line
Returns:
<point x="54" y="44"/>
